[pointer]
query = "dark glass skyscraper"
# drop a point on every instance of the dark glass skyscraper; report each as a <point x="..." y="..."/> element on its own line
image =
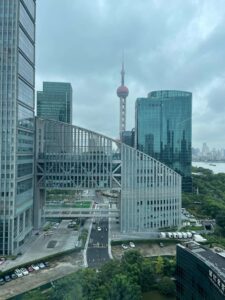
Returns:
<point x="164" y="130"/>
<point x="17" y="62"/>
<point x="55" y="102"/>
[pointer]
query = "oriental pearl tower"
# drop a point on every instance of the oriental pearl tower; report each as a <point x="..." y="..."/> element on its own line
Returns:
<point x="122" y="93"/>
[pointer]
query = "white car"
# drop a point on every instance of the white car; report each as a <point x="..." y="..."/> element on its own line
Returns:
<point x="124" y="246"/>
<point x="99" y="228"/>
<point x="18" y="273"/>
<point x="35" y="267"/>
<point x="41" y="265"/>
<point x="24" y="271"/>
<point x="132" y="245"/>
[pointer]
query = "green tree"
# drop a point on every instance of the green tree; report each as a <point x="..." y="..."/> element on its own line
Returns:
<point x="159" y="265"/>
<point x="35" y="295"/>
<point x="167" y="286"/>
<point x="147" y="277"/>
<point x="123" y="288"/>
<point x="68" y="288"/>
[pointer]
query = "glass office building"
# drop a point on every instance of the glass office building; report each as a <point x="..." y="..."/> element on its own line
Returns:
<point x="164" y="130"/>
<point x="17" y="62"/>
<point x="199" y="272"/>
<point x="55" y="102"/>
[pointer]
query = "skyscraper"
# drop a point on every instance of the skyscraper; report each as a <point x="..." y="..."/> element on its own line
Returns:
<point x="122" y="93"/>
<point x="163" y="130"/>
<point x="55" y="102"/>
<point x="17" y="62"/>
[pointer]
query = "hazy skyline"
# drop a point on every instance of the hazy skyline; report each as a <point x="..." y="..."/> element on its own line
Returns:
<point x="177" y="46"/>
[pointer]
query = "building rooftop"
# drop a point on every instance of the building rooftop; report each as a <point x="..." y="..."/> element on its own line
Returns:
<point x="216" y="261"/>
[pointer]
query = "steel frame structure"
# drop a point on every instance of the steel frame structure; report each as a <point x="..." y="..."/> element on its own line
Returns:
<point x="72" y="158"/>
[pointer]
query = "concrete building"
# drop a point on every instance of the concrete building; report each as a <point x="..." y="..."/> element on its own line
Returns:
<point x="55" y="102"/>
<point x="17" y="70"/>
<point x="164" y="130"/>
<point x="200" y="273"/>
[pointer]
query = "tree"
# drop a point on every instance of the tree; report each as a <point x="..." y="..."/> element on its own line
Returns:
<point x="220" y="220"/>
<point x="68" y="288"/>
<point x="147" y="277"/>
<point x="159" y="265"/>
<point x="132" y="257"/>
<point x="167" y="287"/>
<point x="35" y="295"/>
<point x="123" y="288"/>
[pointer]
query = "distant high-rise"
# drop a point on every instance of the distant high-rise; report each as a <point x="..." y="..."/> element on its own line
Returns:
<point x="164" y="130"/>
<point x="127" y="137"/>
<point x="17" y="71"/>
<point x="122" y="93"/>
<point x="55" y="102"/>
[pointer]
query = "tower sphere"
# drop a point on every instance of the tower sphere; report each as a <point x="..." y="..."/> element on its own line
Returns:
<point x="122" y="91"/>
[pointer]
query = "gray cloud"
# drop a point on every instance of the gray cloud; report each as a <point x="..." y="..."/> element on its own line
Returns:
<point x="179" y="45"/>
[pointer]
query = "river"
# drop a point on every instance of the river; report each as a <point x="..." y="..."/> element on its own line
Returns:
<point x="218" y="167"/>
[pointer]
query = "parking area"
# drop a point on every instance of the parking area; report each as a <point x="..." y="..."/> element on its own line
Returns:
<point x="57" y="239"/>
<point x="147" y="250"/>
<point x="64" y="265"/>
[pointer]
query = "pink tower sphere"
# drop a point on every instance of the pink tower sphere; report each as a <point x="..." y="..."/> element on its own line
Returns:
<point x="122" y="91"/>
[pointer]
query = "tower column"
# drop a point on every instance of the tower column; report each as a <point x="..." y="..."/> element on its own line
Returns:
<point x="122" y="93"/>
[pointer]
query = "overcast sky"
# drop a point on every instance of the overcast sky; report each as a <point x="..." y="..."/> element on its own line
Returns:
<point x="168" y="44"/>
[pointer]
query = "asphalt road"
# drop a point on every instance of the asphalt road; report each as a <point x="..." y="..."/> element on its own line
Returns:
<point x="97" y="252"/>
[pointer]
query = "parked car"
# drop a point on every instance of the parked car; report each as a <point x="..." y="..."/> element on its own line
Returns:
<point x="35" y="267"/>
<point x="124" y="246"/>
<point x="13" y="276"/>
<point x="30" y="269"/>
<point x="2" y="281"/>
<point x="41" y="265"/>
<point x="7" y="278"/>
<point x="132" y="245"/>
<point x="24" y="271"/>
<point x="161" y="245"/>
<point x="47" y="264"/>
<point x="99" y="228"/>
<point x="18" y="273"/>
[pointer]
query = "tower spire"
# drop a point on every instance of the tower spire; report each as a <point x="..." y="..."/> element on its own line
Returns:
<point x="122" y="93"/>
<point x="122" y="71"/>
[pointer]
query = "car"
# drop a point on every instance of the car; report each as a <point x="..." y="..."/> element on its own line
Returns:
<point x="99" y="228"/>
<point x="24" y="271"/>
<point x="132" y="245"/>
<point x="35" y="267"/>
<point x="30" y="269"/>
<point x="13" y="276"/>
<point x="7" y="278"/>
<point x="161" y="245"/>
<point x="124" y="246"/>
<point x="41" y="265"/>
<point x="18" y="273"/>
<point x="47" y="264"/>
<point x="2" y="281"/>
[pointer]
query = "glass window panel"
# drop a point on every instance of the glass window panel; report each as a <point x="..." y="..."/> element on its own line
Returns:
<point x="25" y="117"/>
<point x="26" y="22"/>
<point x="26" y="46"/>
<point x="25" y="93"/>
<point x="26" y="70"/>
<point x="25" y="142"/>
<point x="24" y="186"/>
<point x="30" y="6"/>
<point x="24" y="169"/>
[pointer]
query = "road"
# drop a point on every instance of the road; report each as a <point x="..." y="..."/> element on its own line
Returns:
<point x="97" y="252"/>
